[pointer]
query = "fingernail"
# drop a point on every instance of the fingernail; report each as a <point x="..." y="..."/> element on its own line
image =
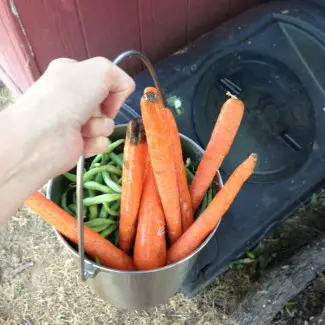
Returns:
<point x="96" y="145"/>
<point x="90" y="154"/>
<point x="109" y="124"/>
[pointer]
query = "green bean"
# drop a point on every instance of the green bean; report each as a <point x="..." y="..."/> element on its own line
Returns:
<point x="119" y="181"/>
<point x="105" y="160"/>
<point x="99" y="228"/>
<point x="64" y="204"/>
<point x="85" y="212"/>
<point x="109" y="182"/>
<point x="204" y="203"/>
<point x="210" y="195"/>
<point x="116" y="237"/>
<point x="71" y="177"/>
<point x="215" y="188"/>
<point x="94" y="186"/>
<point x="93" y="212"/>
<point x="110" y="149"/>
<point x="189" y="165"/>
<point x="97" y="159"/>
<point x="89" y="201"/>
<point x="114" y="178"/>
<point x="114" y="145"/>
<point x="99" y="222"/>
<point x="121" y="155"/>
<point x="99" y="178"/>
<point x="73" y="207"/>
<point x="109" y="230"/>
<point x="103" y="212"/>
<point x="92" y="172"/>
<point x="97" y="260"/>
<point x="93" y="209"/>
<point x="189" y="175"/>
<point x="116" y="205"/>
<point x="118" y="161"/>
<point x="110" y="211"/>
<point x="74" y="200"/>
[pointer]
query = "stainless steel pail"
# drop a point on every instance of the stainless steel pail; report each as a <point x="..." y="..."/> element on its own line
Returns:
<point x="137" y="289"/>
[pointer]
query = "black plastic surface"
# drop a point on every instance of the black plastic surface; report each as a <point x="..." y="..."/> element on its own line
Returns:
<point x="273" y="58"/>
<point x="125" y="114"/>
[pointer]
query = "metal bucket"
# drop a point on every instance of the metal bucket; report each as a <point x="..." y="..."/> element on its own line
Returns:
<point x="136" y="289"/>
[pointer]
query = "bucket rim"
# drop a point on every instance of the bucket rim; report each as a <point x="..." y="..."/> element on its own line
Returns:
<point x="166" y="267"/>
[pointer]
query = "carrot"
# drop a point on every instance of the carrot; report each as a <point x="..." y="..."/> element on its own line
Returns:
<point x="150" y="251"/>
<point x="208" y="220"/>
<point x="95" y="244"/>
<point x="162" y="160"/>
<point x="222" y="137"/>
<point x="184" y="192"/>
<point x="135" y="155"/>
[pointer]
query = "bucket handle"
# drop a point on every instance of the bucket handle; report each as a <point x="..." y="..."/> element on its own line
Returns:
<point x="85" y="271"/>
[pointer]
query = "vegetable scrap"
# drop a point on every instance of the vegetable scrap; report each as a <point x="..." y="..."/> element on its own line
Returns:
<point x="150" y="248"/>
<point x="162" y="159"/>
<point x="95" y="244"/>
<point x="135" y="157"/>
<point x="220" y="142"/>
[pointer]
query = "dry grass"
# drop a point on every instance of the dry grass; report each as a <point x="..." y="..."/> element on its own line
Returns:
<point x="48" y="290"/>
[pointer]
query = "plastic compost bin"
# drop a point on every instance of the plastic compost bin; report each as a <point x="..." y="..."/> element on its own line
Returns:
<point x="272" y="57"/>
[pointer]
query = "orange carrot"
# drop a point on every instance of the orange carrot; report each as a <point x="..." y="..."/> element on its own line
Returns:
<point x="222" y="137"/>
<point x="150" y="251"/>
<point x="134" y="162"/>
<point x="162" y="160"/>
<point x="184" y="192"/>
<point x="95" y="244"/>
<point x="208" y="220"/>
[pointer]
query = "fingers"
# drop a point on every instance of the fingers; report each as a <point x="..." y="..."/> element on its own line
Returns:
<point x="93" y="87"/>
<point x="99" y="83"/>
<point x="122" y="86"/>
<point x="88" y="85"/>
<point x="94" y="146"/>
<point x="97" y="112"/>
<point x="98" y="126"/>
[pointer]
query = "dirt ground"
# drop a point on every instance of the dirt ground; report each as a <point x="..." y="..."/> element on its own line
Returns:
<point x="39" y="280"/>
<point x="40" y="285"/>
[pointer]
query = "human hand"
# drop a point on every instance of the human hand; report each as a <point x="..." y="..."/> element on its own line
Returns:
<point x="69" y="110"/>
<point x="72" y="107"/>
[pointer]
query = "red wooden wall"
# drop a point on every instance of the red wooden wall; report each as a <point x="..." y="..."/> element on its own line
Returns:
<point x="33" y="32"/>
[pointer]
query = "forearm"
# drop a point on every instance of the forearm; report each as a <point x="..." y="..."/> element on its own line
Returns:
<point x="23" y="167"/>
